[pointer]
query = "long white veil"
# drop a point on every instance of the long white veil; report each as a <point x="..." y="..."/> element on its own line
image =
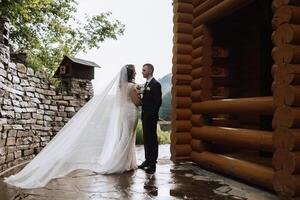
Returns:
<point x="87" y="141"/>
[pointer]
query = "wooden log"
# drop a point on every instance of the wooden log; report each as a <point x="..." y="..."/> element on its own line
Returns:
<point x="202" y="61"/>
<point x="285" y="138"/>
<point x="182" y="59"/>
<point x="182" y="49"/>
<point x="287" y="161"/>
<point x="183" y="114"/>
<point x="183" y="18"/>
<point x="183" y="102"/>
<point x="286" y="34"/>
<point x="182" y="150"/>
<point x="285" y="74"/>
<point x="205" y="6"/>
<point x="197" y="120"/>
<point x="219" y="11"/>
<point x="235" y="167"/>
<point x="285" y="116"/>
<point x="279" y="3"/>
<point x="198" y="2"/>
<point x="286" y="54"/>
<point x="236" y="137"/>
<point x="180" y="70"/>
<point x="202" y="83"/>
<point x="286" y="95"/>
<point x="202" y="40"/>
<point x="252" y="156"/>
<point x="182" y="28"/>
<point x="263" y="105"/>
<point x="286" y="185"/>
<point x="199" y="72"/>
<point x="198" y="146"/>
<point x="182" y="38"/>
<point x="286" y="14"/>
<point x="291" y="68"/>
<point x="182" y="7"/>
<point x="201" y="95"/>
<point x="202" y="51"/>
<point x="182" y="91"/>
<point x="183" y="125"/>
<point x="183" y="77"/>
<point x="182" y="137"/>
<point x="201" y="30"/>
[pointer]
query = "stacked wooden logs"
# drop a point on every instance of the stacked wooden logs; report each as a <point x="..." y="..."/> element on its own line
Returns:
<point x="181" y="80"/>
<point x="286" y="92"/>
<point x="207" y="134"/>
<point x="201" y="74"/>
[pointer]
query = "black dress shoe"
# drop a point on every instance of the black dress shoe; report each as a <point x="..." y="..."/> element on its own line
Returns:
<point x="143" y="165"/>
<point x="150" y="169"/>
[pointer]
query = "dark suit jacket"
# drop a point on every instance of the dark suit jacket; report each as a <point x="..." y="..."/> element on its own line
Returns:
<point x="151" y="101"/>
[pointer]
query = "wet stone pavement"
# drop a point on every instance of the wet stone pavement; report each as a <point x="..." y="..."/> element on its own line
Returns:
<point x="180" y="181"/>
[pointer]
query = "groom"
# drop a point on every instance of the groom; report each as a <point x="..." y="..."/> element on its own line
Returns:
<point x="151" y="102"/>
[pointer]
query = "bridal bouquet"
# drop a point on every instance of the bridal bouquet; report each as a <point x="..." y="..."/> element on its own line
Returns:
<point x="140" y="88"/>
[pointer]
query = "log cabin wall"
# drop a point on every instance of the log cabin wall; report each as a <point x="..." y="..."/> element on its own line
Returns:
<point x="286" y="92"/>
<point x="181" y="80"/>
<point x="228" y="113"/>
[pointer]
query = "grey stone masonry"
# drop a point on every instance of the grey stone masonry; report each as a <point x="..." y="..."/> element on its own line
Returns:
<point x="32" y="109"/>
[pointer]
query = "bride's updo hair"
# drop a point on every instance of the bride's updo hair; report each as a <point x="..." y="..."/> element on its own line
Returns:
<point x="130" y="72"/>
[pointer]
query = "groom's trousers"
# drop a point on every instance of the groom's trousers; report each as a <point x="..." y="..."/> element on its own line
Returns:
<point x="150" y="139"/>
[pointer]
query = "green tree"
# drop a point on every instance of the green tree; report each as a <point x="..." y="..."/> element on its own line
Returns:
<point x="43" y="29"/>
<point x="165" y="109"/>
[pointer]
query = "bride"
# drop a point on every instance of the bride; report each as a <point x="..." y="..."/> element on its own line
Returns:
<point x="100" y="137"/>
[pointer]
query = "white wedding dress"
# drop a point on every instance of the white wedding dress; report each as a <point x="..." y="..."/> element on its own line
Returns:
<point x="100" y="137"/>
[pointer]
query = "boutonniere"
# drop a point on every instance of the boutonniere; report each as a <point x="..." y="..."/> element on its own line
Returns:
<point x="148" y="88"/>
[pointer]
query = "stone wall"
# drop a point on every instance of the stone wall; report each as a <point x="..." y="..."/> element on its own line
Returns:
<point x="32" y="110"/>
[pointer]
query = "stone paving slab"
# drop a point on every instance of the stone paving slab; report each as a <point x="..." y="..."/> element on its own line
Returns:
<point x="170" y="182"/>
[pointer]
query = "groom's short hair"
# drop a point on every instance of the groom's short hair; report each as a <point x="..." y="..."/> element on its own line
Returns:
<point x="150" y="67"/>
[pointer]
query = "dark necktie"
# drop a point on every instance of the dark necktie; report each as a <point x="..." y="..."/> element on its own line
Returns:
<point x="146" y="84"/>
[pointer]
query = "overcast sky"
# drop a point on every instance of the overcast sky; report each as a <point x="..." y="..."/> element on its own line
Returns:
<point x="147" y="37"/>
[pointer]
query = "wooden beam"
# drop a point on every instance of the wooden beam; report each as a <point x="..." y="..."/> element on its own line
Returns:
<point x="285" y="116"/>
<point x="263" y="105"/>
<point x="201" y="95"/>
<point x="199" y="146"/>
<point x="286" y="54"/>
<point x="220" y="10"/>
<point x="197" y="120"/>
<point x="182" y="137"/>
<point x="279" y="3"/>
<point x="205" y="6"/>
<point x="286" y="95"/>
<point x="183" y="18"/>
<point x="286" y="14"/>
<point x="182" y="7"/>
<point x="236" y="137"/>
<point x="199" y="72"/>
<point x="285" y="138"/>
<point x="183" y="102"/>
<point x="183" y="28"/>
<point x="287" y="161"/>
<point x="182" y="125"/>
<point x="202" y="83"/>
<point x="235" y="167"/>
<point x="182" y="38"/>
<point x="286" y="185"/>
<point x="286" y="34"/>
<point x="182" y="91"/>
